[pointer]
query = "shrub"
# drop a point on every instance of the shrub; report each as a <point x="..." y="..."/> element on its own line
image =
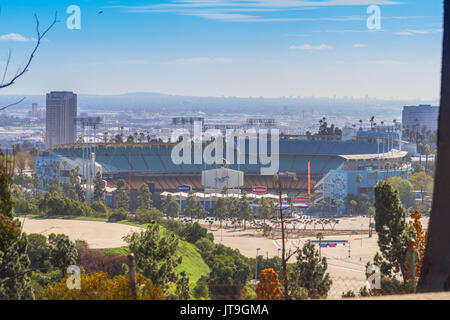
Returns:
<point x="193" y="232"/>
<point x="98" y="286"/>
<point x="146" y="216"/>
<point x="268" y="287"/>
<point x="100" y="209"/>
<point x="174" y="226"/>
<point x="21" y="205"/>
<point x="118" y="215"/>
<point x="95" y="261"/>
<point x="201" y="288"/>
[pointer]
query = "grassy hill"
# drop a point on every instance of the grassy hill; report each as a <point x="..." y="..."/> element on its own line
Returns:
<point x="192" y="263"/>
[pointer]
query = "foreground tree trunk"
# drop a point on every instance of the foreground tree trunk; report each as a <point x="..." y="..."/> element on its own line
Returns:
<point x="435" y="273"/>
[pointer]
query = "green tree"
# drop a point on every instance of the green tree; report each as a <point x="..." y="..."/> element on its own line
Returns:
<point x="155" y="254"/>
<point x="147" y="216"/>
<point x="201" y="288"/>
<point x="405" y="190"/>
<point x="423" y="182"/>
<point x="264" y="210"/>
<point x="244" y="210"/>
<point x="122" y="196"/>
<point x="144" y="198"/>
<point x="172" y="209"/>
<point x="38" y="252"/>
<point x="220" y="210"/>
<point x="193" y="232"/>
<point x="310" y="272"/>
<point x="390" y="224"/>
<point x="80" y="193"/>
<point x="358" y="181"/>
<point x="101" y="209"/>
<point x="118" y="215"/>
<point x="229" y="274"/>
<point x="15" y="272"/>
<point x="99" y="187"/>
<point x="194" y="208"/>
<point x="62" y="252"/>
<point x="353" y="206"/>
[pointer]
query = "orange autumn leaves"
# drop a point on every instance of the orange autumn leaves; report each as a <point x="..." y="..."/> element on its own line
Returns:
<point x="421" y="239"/>
<point x="268" y="287"/>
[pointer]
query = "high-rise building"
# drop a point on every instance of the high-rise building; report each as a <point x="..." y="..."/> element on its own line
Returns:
<point x="35" y="112"/>
<point x="60" y="114"/>
<point x="422" y="115"/>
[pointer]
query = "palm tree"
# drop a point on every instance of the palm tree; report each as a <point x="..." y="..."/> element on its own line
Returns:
<point x="387" y="166"/>
<point x="434" y="275"/>
<point x="371" y="212"/>
<point x="358" y="181"/>
<point x="427" y="153"/>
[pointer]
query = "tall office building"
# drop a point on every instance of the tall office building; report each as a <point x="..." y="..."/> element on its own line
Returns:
<point x="422" y="115"/>
<point x="60" y="114"/>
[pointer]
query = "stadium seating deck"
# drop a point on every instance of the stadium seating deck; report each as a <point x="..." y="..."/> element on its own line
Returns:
<point x="152" y="162"/>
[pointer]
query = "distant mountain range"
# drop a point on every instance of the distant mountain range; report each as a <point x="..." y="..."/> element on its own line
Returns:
<point x="164" y="103"/>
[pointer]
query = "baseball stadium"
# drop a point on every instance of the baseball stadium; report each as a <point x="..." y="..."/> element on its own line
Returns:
<point x="332" y="164"/>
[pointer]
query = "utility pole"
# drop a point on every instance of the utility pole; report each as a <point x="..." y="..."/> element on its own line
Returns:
<point x="256" y="266"/>
<point x="132" y="265"/>
<point x="284" y="257"/>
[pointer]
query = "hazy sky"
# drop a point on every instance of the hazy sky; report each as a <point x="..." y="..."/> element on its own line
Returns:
<point x="241" y="48"/>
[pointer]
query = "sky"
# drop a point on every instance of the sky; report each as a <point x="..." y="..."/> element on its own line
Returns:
<point x="245" y="48"/>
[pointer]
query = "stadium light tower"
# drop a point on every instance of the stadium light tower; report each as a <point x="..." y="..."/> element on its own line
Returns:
<point x="88" y="132"/>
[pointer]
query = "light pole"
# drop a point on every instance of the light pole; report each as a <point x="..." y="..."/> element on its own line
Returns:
<point x="361" y="234"/>
<point x="256" y="266"/>
<point x="349" y="249"/>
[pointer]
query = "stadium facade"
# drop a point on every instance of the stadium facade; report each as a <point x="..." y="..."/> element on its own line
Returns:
<point x="333" y="165"/>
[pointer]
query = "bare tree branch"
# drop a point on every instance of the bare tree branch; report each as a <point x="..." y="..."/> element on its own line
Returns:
<point x="21" y="71"/>
<point x="12" y="104"/>
<point x="7" y="66"/>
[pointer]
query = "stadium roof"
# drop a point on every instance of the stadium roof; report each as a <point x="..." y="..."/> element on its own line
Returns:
<point x="393" y="154"/>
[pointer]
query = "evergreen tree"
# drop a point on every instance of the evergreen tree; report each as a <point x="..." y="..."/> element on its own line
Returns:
<point x="15" y="273"/>
<point x="80" y="193"/>
<point x="172" y="209"/>
<point x="62" y="252"/>
<point x="99" y="188"/>
<point x="155" y="254"/>
<point x="390" y="224"/>
<point x="220" y="210"/>
<point x="194" y="208"/>
<point x="244" y="210"/>
<point x="310" y="272"/>
<point x="122" y="196"/>
<point x="144" y="198"/>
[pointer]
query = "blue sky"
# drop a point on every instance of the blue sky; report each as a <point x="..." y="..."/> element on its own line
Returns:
<point x="241" y="48"/>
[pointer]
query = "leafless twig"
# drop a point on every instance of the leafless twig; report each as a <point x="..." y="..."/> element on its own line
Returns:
<point x="21" y="71"/>
<point x="12" y="104"/>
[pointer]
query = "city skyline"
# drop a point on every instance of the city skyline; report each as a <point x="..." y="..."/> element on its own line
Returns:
<point x="229" y="48"/>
